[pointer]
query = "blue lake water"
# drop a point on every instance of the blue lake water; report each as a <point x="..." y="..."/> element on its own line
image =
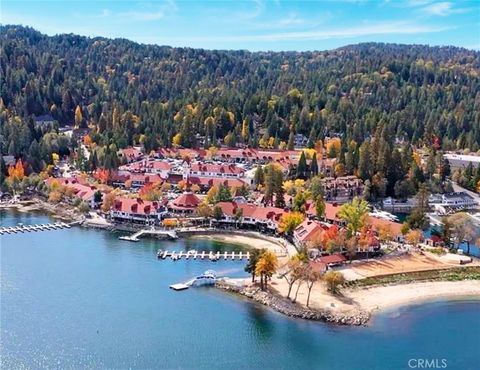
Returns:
<point x="82" y="298"/>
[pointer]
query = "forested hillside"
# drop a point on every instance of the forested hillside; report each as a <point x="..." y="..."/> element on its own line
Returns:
<point x="129" y="93"/>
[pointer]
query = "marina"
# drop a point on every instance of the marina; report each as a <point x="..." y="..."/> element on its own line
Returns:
<point x="203" y="255"/>
<point x="20" y="228"/>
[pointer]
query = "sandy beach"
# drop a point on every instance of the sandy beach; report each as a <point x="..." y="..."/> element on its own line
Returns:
<point x="382" y="297"/>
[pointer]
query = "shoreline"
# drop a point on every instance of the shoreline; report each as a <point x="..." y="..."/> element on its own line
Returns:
<point x="60" y="211"/>
<point x="386" y="297"/>
<point x="363" y="303"/>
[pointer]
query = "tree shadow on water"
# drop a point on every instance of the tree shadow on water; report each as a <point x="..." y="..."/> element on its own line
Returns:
<point x="262" y="325"/>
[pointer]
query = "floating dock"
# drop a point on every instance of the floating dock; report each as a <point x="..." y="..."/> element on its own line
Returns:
<point x="179" y="286"/>
<point x="203" y="255"/>
<point x="33" y="228"/>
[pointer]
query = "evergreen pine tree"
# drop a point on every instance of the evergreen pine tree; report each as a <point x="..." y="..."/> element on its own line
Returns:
<point x="302" y="166"/>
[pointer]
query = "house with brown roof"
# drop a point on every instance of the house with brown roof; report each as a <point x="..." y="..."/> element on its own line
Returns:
<point x="342" y="189"/>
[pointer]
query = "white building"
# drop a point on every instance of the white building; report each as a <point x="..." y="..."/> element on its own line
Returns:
<point x="449" y="202"/>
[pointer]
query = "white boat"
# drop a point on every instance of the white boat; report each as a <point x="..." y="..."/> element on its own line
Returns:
<point x="384" y="215"/>
<point x="207" y="278"/>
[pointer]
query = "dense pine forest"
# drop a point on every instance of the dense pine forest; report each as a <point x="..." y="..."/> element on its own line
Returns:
<point x="375" y="97"/>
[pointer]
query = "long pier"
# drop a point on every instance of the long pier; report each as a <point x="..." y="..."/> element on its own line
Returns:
<point x="33" y="228"/>
<point x="203" y="255"/>
<point x="172" y="234"/>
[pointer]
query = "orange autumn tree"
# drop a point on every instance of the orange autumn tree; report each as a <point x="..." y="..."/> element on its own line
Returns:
<point x="102" y="175"/>
<point x="328" y="238"/>
<point x="17" y="171"/>
<point x="16" y="174"/>
<point x="87" y="140"/>
<point x="333" y="146"/>
<point x="150" y="192"/>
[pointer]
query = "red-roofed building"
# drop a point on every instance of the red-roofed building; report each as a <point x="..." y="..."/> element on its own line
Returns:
<point x="81" y="189"/>
<point x="216" y="170"/>
<point x="149" y="166"/>
<point x="129" y="155"/>
<point x="180" y="153"/>
<point x="333" y="260"/>
<point x="331" y="210"/>
<point x="206" y="183"/>
<point x="252" y="216"/>
<point x="435" y="241"/>
<point x="309" y="232"/>
<point x="135" y="211"/>
<point x="263" y="156"/>
<point x="186" y="203"/>
<point x="394" y="227"/>
<point x="138" y="179"/>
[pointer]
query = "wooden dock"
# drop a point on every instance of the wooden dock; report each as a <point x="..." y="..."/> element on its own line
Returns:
<point x="203" y="255"/>
<point x="33" y="228"/>
<point x="136" y="237"/>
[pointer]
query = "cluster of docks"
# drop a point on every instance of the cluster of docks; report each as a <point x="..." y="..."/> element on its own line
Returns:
<point x="32" y="228"/>
<point x="210" y="256"/>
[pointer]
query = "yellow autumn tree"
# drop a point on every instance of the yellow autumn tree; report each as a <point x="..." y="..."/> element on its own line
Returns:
<point x="309" y="153"/>
<point x="340" y="170"/>
<point x="212" y="152"/>
<point x="414" y="237"/>
<point x="290" y="221"/>
<point x="245" y="130"/>
<point x="212" y="194"/>
<point x="266" y="267"/>
<point x="204" y="210"/>
<point x="177" y="139"/>
<point x="108" y="200"/>
<point x="195" y="188"/>
<point x="78" y="116"/>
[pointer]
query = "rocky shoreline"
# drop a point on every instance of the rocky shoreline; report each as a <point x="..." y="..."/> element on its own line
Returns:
<point x="283" y="305"/>
<point x="63" y="212"/>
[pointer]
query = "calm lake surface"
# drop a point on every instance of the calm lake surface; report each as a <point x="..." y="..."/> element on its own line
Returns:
<point x="81" y="298"/>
